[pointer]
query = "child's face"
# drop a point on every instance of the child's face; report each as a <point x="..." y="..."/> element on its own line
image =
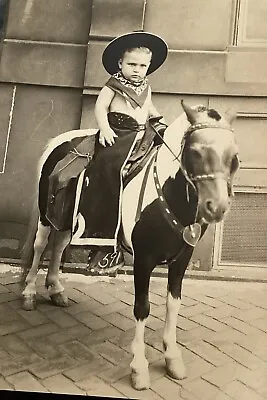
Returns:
<point x="134" y="65"/>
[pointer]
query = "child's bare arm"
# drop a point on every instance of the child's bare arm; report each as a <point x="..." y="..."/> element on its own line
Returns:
<point x="153" y="112"/>
<point x="103" y="101"/>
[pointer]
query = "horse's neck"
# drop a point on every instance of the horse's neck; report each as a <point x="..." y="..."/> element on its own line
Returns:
<point x="180" y="198"/>
<point x="168" y="165"/>
<point x="171" y="178"/>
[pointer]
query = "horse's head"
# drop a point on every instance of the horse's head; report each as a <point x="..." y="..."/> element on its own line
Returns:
<point x="209" y="160"/>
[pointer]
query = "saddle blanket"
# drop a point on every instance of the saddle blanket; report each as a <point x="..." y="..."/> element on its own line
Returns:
<point x="95" y="204"/>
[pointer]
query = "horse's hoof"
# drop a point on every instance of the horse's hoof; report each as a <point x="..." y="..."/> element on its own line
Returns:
<point x="140" y="381"/>
<point x="176" y="369"/>
<point x="59" y="299"/>
<point x="28" y="303"/>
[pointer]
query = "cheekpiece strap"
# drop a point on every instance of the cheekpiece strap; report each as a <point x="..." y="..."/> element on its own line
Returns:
<point x="191" y="233"/>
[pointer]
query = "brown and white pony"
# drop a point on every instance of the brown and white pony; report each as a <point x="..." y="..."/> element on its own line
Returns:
<point x="186" y="185"/>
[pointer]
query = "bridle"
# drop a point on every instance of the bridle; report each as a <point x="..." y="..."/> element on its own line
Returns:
<point x="198" y="178"/>
<point x="191" y="233"/>
<point x="190" y="178"/>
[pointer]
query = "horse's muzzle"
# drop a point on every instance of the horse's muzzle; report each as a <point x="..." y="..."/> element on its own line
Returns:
<point x="214" y="200"/>
<point x="215" y="211"/>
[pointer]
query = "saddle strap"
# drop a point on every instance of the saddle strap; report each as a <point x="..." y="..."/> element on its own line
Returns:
<point x="142" y="190"/>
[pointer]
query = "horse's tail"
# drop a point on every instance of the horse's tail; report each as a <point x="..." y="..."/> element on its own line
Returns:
<point x="27" y="251"/>
<point x="28" y="248"/>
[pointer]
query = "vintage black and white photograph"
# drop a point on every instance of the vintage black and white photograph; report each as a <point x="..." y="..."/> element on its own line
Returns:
<point x="133" y="207"/>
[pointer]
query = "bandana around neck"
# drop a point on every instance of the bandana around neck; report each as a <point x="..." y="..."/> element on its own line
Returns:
<point x="137" y="87"/>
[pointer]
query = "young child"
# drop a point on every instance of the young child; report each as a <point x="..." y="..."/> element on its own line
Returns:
<point x="127" y="120"/>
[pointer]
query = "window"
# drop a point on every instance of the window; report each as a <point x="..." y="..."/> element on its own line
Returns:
<point x="3" y="18"/>
<point x="250" y="23"/>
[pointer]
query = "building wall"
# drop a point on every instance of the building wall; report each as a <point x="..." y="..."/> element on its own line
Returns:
<point x="217" y="56"/>
<point x="41" y="85"/>
<point x="211" y="61"/>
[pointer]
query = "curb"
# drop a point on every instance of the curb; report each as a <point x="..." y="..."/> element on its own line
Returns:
<point x="233" y="275"/>
<point x="236" y="274"/>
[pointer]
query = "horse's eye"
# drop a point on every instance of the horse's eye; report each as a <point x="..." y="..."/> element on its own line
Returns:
<point x="191" y="158"/>
<point x="234" y="164"/>
<point x="195" y="154"/>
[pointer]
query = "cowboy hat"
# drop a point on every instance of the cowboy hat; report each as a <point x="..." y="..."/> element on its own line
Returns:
<point x="115" y="49"/>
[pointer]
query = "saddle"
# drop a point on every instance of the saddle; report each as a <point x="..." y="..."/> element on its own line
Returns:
<point x="62" y="182"/>
<point x="63" y="179"/>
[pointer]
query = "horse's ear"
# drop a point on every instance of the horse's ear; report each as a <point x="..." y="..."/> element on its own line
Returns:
<point x="230" y="115"/>
<point x="191" y="113"/>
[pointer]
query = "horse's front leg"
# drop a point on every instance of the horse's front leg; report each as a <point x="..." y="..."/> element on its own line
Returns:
<point x="173" y="355"/>
<point x="52" y="282"/>
<point x="139" y="364"/>
<point x="39" y="245"/>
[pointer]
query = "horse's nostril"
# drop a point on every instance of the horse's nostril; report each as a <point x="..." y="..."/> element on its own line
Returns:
<point x="216" y="211"/>
<point x="210" y="206"/>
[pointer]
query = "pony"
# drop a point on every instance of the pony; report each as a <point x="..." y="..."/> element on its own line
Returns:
<point x="186" y="184"/>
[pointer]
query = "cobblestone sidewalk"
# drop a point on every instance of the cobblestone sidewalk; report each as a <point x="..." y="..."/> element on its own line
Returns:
<point x="85" y="348"/>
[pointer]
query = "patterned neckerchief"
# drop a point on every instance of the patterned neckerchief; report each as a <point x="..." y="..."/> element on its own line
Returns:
<point x="137" y="87"/>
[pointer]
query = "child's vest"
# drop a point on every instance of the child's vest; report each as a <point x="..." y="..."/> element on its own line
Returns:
<point x="137" y="104"/>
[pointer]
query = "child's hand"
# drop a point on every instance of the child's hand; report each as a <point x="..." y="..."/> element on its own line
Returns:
<point x="108" y="135"/>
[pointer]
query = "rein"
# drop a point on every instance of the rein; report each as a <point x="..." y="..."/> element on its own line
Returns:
<point x="188" y="132"/>
<point x="191" y="233"/>
<point x="198" y="178"/>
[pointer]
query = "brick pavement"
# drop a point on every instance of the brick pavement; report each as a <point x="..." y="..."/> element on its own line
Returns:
<point x="85" y="348"/>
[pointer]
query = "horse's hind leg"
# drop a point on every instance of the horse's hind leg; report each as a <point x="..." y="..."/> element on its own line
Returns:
<point x="55" y="288"/>
<point x="40" y="243"/>
<point x="139" y="365"/>
<point x="173" y="356"/>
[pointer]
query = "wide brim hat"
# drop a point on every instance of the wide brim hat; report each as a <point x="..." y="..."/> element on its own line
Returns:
<point x="115" y="49"/>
